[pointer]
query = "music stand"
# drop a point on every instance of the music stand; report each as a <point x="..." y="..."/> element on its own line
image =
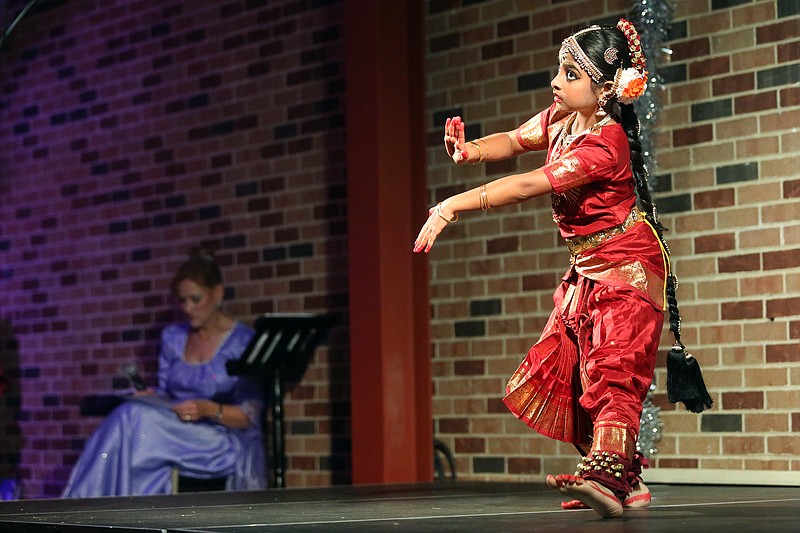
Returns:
<point x="279" y="352"/>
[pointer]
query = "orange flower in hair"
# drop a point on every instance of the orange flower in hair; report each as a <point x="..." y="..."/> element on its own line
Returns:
<point x="629" y="85"/>
<point x="635" y="88"/>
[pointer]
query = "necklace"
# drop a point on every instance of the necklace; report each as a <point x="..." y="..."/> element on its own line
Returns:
<point x="566" y="139"/>
<point x="596" y="126"/>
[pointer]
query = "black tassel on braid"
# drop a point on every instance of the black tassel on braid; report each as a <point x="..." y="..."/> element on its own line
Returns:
<point x="685" y="381"/>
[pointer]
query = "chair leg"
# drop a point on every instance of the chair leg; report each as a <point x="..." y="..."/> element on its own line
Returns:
<point x="440" y="450"/>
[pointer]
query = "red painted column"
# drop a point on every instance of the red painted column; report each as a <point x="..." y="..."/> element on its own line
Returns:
<point x="390" y="374"/>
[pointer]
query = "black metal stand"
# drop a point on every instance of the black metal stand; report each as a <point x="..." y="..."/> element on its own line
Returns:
<point x="280" y="352"/>
<point x="16" y="21"/>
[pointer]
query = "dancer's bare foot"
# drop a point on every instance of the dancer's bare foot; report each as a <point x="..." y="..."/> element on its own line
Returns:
<point x="593" y="494"/>
<point x="574" y="504"/>
<point x="637" y="499"/>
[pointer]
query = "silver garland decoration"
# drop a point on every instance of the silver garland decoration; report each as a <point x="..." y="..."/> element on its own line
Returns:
<point x="652" y="19"/>
<point x="649" y="426"/>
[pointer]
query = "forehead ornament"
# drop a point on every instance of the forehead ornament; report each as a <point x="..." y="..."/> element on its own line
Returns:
<point x="570" y="44"/>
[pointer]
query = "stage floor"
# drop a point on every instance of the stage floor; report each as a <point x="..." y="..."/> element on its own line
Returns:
<point x="441" y="507"/>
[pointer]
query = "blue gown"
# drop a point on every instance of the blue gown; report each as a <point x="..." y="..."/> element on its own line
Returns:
<point x="135" y="448"/>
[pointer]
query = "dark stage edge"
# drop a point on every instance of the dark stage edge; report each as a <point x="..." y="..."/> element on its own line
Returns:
<point x="441" y="507"/>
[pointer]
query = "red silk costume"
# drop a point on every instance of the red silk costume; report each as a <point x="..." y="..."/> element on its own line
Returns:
<point x="584" y="381"/>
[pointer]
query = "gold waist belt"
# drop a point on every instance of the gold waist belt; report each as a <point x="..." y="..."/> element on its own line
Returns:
<point x="578" y="245"/>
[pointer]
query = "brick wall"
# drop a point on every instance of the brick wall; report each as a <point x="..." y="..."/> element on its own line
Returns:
<point x="133" y="130"/>
<point x="727" y="154"/>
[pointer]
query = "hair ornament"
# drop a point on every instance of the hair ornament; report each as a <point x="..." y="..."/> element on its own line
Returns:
<point x="634" y="44"/>
<point x="610" y="55"/>
<point x="629" y="85"/>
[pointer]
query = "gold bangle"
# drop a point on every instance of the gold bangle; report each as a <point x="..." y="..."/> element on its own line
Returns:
<point x="485" y="145"/>
<point x="484" y="199"/>
<point x="439" y="212"/>
<point x="480" y="152"/>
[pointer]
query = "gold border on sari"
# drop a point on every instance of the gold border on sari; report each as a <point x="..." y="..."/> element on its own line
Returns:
<point x="613" y="436"/>
<point x="532" y="134"/>
<point x="567" y="173"/>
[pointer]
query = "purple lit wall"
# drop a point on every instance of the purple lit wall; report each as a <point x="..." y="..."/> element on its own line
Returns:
<point x="131" y="131"/>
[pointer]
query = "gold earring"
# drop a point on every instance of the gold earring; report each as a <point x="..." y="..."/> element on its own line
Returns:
<point x="601" y="103"/>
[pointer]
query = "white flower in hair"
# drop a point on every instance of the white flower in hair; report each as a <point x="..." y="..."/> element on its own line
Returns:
<point x="629" y="85"/>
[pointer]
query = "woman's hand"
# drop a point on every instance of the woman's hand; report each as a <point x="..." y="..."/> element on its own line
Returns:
<point x="438" y="217"/>
<point x="193" y="410"/>
<point x="454" y="141"/>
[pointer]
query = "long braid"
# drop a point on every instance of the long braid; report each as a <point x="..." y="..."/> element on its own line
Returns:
<point x="630" y="123"/>
<point x="684" y="380"/>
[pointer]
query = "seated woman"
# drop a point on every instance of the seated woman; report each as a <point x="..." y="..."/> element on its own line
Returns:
<point x="210" y="424"/>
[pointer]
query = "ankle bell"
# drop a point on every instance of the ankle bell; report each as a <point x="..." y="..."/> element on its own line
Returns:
<point x="601" y="462"/>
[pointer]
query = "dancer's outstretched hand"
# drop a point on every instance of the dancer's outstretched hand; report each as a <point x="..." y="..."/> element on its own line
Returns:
<point x="454" y="141"/>
<point x="438" y="218"/>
